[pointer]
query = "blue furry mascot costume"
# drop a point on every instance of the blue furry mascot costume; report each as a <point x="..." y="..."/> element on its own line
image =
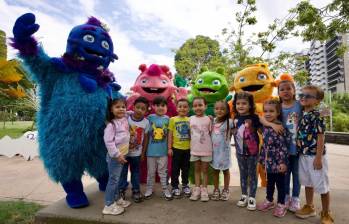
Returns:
<point x="74" y="91"/>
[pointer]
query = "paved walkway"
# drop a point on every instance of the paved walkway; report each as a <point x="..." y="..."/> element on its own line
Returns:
<point x="27" y="180"/>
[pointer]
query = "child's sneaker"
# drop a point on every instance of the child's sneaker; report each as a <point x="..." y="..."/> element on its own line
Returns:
<point x="148" y="194"/>
<point x="195" y="195"/>
<point x="243" y="201"/>
<point x="265" y="205"/>
<point x="280" y="210"/>
<point x="123" y="203"/>
<point x="251" y="204"/>
<point x="225" y="195"/>
<point x="113" y="209"/>
<point x="294" y="204"/>
<point x="204" y="194"/>
<point x="167" y="194"/>
<point x="137" y="197"/>
<point x="326" y="218"/>
<point x="176" y="193"/>
<point x="122" y="194"/>
<point x="186" y="190"/>
<point x="306" y="212"/>
<point x="215" y="195"/>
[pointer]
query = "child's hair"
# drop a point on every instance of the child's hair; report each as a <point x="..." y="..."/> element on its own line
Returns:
<point x="200" y="98"/>
<point x="225" y="117"/>
<point x="286" y="78"/>
<point x="160" y="100"/>
<point x="142" y="99"/>
<point x="110" y="115"/>
<point x="245" y="96"/>
<point x="319" y="92"/>
<point x="183" y="100"/>
<point x="277" y="105"/>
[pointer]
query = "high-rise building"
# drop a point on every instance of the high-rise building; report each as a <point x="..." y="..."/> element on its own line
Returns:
<point x="317" y="65"/>
<point x="326" y="68"/>
<point x="337" y="66"/>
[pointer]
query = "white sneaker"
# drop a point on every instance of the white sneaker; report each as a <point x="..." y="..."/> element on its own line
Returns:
<point x="204" y="194"/>
<point x="148" y="193"/>
<point x="123" y="203"/>
<point x="243" y="201"/>
<point x="113" y="209"/>
<point x="251" y="204"/>
<point x="195" y="195"/>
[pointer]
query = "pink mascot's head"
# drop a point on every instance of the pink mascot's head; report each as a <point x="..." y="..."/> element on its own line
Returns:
<point x="154" y="81"/>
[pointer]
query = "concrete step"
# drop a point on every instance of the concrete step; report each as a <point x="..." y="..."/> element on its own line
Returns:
<point x="183" y="211"/>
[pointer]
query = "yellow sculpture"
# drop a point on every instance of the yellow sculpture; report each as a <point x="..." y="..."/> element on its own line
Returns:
<point x="10" y="73"/>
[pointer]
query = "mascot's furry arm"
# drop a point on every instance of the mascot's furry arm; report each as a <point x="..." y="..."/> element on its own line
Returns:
<point x="74" y="91"/>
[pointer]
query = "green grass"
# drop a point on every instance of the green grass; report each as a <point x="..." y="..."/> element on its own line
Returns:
<point x="18" y="212"/>
<point x="14" y="130"/>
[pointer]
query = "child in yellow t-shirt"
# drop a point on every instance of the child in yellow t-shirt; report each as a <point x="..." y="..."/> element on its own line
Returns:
<point x="179" y="148"/>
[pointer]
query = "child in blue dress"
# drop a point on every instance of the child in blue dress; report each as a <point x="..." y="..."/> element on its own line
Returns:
<point x="221" y="160"/>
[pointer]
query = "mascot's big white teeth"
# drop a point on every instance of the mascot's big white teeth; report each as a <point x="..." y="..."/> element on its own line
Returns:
<point x="154" y="89"/>
<point x="100" y="68"/>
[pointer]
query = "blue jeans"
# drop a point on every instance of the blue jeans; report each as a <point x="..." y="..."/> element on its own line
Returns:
<point x="293" y="168"/>
<point x="248" y="174"/>
<point x="134" y="163"/>
<point x="112" y="190"/>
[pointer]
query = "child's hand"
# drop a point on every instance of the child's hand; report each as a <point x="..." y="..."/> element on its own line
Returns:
<point x="317" y="163"/>
<point x="170" y="152"/>
<point x="282" y="168"/>
<point x="121" y="159"/>
<point x="142" y="156"/>
<point x="278" y="128"/>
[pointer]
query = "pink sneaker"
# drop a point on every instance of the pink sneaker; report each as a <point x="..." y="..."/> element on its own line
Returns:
<point x="265" y="205"/>
<point x="280" y="210"/>
<point x="294" y="204"/>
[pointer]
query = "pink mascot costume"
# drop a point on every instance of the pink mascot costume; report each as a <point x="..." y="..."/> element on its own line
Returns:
<point x="156" y="80"/>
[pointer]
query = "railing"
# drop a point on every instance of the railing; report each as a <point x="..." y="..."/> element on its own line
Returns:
<point x="337" y="137"/>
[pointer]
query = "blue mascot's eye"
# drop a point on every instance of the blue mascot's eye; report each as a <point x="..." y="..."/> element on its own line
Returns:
<point x="242" y="79"/>
<point x="200" y="81"/>
<point x="262" y="76"/>
<point x="164" y="82"/>
<point x="105" y="44"/>
<point x="89" y="38"/>
<point x="216" y="82"/>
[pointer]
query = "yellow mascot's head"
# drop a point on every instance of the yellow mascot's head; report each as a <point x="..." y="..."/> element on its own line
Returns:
<point x="255" y="79"/>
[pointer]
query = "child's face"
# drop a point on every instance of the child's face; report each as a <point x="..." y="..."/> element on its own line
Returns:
<point x="199" y="107"/>
<point x="220" y="110"/>
<point x="140" y="109"/>
<point x="182" y="108"/>
<point x="286" y="91"/>
<point x="270" y="112"/>
<point x="242" y="106"/>
<point x="308" y="98"/>
<point x="160" y="109"/>
<point x="119" y="109"/>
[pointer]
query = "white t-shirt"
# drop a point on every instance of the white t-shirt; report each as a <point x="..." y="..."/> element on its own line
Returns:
<point x="137" y="131"/>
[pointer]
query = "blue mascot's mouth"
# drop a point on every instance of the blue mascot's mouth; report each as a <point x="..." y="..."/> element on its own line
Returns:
<point x="94" y="53"/>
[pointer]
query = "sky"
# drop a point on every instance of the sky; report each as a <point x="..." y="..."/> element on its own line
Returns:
<point x="143" y="32"/>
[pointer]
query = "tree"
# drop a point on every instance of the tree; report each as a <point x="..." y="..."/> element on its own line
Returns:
<point x="196" y="53"/>
<point x="16" y="92"/>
